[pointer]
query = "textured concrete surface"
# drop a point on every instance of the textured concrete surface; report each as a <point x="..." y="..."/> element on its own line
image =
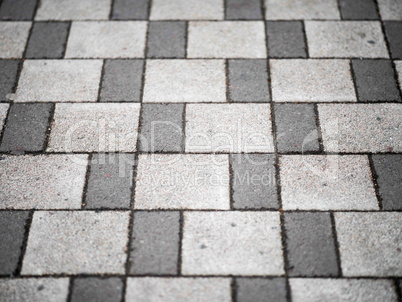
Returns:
<point x="97" y="290"/>
<point x="8" y="74"/>
<point x="13" y="36"/>
<point x="130" y="9"/>
<point x="166" y="39"/>
<point x="187" y="10"/>
<point x="390" y="9"/>
<point x="3" y="114"/>
<point x="17" y="9"/>
<point x="358" y="10"/>
<point x="392" y="30"/>
<point x="261" y="290"/>
<point x="243" y="10"/>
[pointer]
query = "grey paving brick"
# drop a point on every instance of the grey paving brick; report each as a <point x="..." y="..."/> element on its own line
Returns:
<point x="261" y="290"/>
<point x="166" y="39"/>
<point x="161" y="128"/>
<point x="12" y="230"/>
<point x="13" y="37"/>
<point x="155" y="245"/>
<point x="310" y="245"/>
<point x="296" y="129"/>
<point x="3" y="114"/>
<point x="47" y="40"/>
<point x="187" y="10"/>
<point x="286" y="39"/>
<point x="393" y="31"/>
<point x="130" y="9"/>
<point x="97" y="290"/>
<point x="122" y="81"/>
<point x="110" y="181"/>
<point x="17" y="9"/>
<point x="390" y="9"/>
<point x="26" y="127"/>
<point x="375" y="80"/>
<point x="8" y="74"/>
<point x="253" y="181"/>
<point x="248" y="81"/>
<point x="389" y="178"/>
<point x="243" y="10"/>
<point x="358" y="10"/>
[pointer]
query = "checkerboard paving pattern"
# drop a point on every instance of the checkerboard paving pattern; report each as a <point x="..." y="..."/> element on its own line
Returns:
<point x="186" y="150"/>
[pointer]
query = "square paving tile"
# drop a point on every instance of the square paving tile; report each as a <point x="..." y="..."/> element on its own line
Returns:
<point x="243" y="10"/>
<point x="8" y="75"/>
<point x="166" y="39"/>
<point x="130" y="9"/>
<point x="17" y="9"/>
<point x="76" y="242"/>
<point x="97" y="290"/>
<point x="13" y="37"/>
<point x="358" y="9"/>
<point x="393" y="30"/>
<point x="390" y="9"/>
<point x="261" y="290"/>
<point x="187" y="10"/>
<point x="3" y="114"/>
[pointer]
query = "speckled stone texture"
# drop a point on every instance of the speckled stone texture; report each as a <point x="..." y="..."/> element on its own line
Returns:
<point x="187" y="10"/>
<point x="261" y="290"/>
<point x="13" y="36"/>
<point x="17" y="9"/>
<point x="3" y="114"/>
<point x="8" y="74"/>
<point x="390" y="9"/>
<point x="97" y="290"/>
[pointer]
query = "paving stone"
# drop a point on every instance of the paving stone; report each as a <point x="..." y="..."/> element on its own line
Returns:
<point x="122" y="81"/>
<point x="232" y="243"/>
<point x="111" y="39"/>
<point x="296" y="129"/>
<point x="8" y="74"/>
<point x="393" y="30"/>
<point x="162" y="128"/>
<point x="358" y="10"/>
<point x="345" y="290"/>
<point x="182" y="181"/>
<point x="187" y="10"/>
<point x="26" y="127"/>
<point x="390" y="9"/>
<point x="178" y="289"/>
<point x="361" y="127"/>
<point x="310" y="244"/>
<point x="74" y="242"/>
<point x="73" y="10"/>
<point x="17" y="9"/>
<point x="311" y="81"/>
<point x="97" y="290"/>
<point x="253" y="181"/>
<point x="166" y="39"/>
<point x="3" y="114"/>
<point x="345" y="39"/>
<point x="229" y="39"/>
<point x="110" y="181"/>
<point x="389" y="178"/>
<point x="13" y="37"/>
<point x="42" y="181"/>
<point x="47" y="40"/>
<point x="318" y="182"/>
<point x="370" y="243"/>
<point x="59" y="81"/>
<point x="248" y="81"/>
<point x="243" y="10"/>
<point x="12" y="230"/>
<point x="261" y="290"/>
<point x="286" y="39"/>
<point x="398" y="66"/>
<point x="34" y="289"/>
<point x="231" y="128"/>
<point x="95" y="127"/>
<point x="130" y="9"/>
<point x="178" y="81"/>
<point x="155" y="245"/>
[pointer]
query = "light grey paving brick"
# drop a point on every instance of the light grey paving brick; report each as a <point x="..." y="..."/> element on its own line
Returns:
<point x="26" y="127"/>
<point x="107" y="39"/>
<point x="390" y="9"/>
<point x="34" y="290"/>
<point x="97" y="290"/>
<point x="231" y="128"/>
<point x="318" y="182"/>
<point x="311" y="81"/>
<point x="393" y="31"/>
<point x="122" y="81"/>
<point x="248" y="81"/>
<point x="74" y="242"/>
<point x="253" y="181"/>
<point x="345" y="39"/>
<point x="358" y="9"/>
<point x="243" y="10"/>
<point x="261" y="290"/>
<point x="232" y="243"/>
<point x="8" y="75"/>
<point x="178" y="289"/>
<point x="42" y="181"/>
<point x="3" y="114"/>
<point x="187" y="10"/>
<point x="110" y="181"/>
<point x="370" y="243"/>
<point x="310" y="244"/>
<point x="17" y="9"/>
<point x="155" y="244"/>
<point x="59" y="81"/>
<point x="13" y="37"/>
<point x="47" y="40"/>
<point x="229" y="39"/>
<point x="101" y="127"/>
<point x="345" y="290"/>
<point x="175" y="81"/>
<point x="162" y="128"/>
<point x="130" y="9"/>
<point x="398" y="66"/>
<point x="182" y="181"/>
<point x="166" y="39"/>
<point x="296" y="129"/>
<point x="361" y="127"/>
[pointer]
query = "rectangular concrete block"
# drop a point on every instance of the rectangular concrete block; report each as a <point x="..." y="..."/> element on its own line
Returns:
<point x="261" y="290"/>
<point x="130" y="9"/>
<point x="8" y="75"/>
<point x="17" y="9"/>
<point x="97" y="290"/>
<point x="358" y="10"/>
<point x="286" y="39"/>
<point x="243" y="10"/>
<point x="187" y="10"/>
<point x="166" y="39"/>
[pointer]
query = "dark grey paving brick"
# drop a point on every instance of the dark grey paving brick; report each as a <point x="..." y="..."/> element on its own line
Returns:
<point x="161" y="127"/>
<point x="17" y="9"/>
<point x="155" y="244"/>
<point x="110" y="181"/>
<point x="47" y="40"/>
<point x="243" y="9"/>
<point x="166" y="39"/>
<point x="310" y="245"/>
<point x="253" y="181"/>
<point x="388" y="168"/>
<point x="248" y="81"/>
<point x="8" y="74"/>
<point x="393" y="30"/>
<point x="122" y="81"/>
<point x="358" y="10"/>
<point x="26" y="127"/>
<point x="130" y="9"/>
<point x="375" y="80"/>
<point x="97" y="290"/>
<point x="296" y="129"/>
<point x="261" y="290"/>
<point x="286" y="39"/>
<point x="12" y="230"/>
